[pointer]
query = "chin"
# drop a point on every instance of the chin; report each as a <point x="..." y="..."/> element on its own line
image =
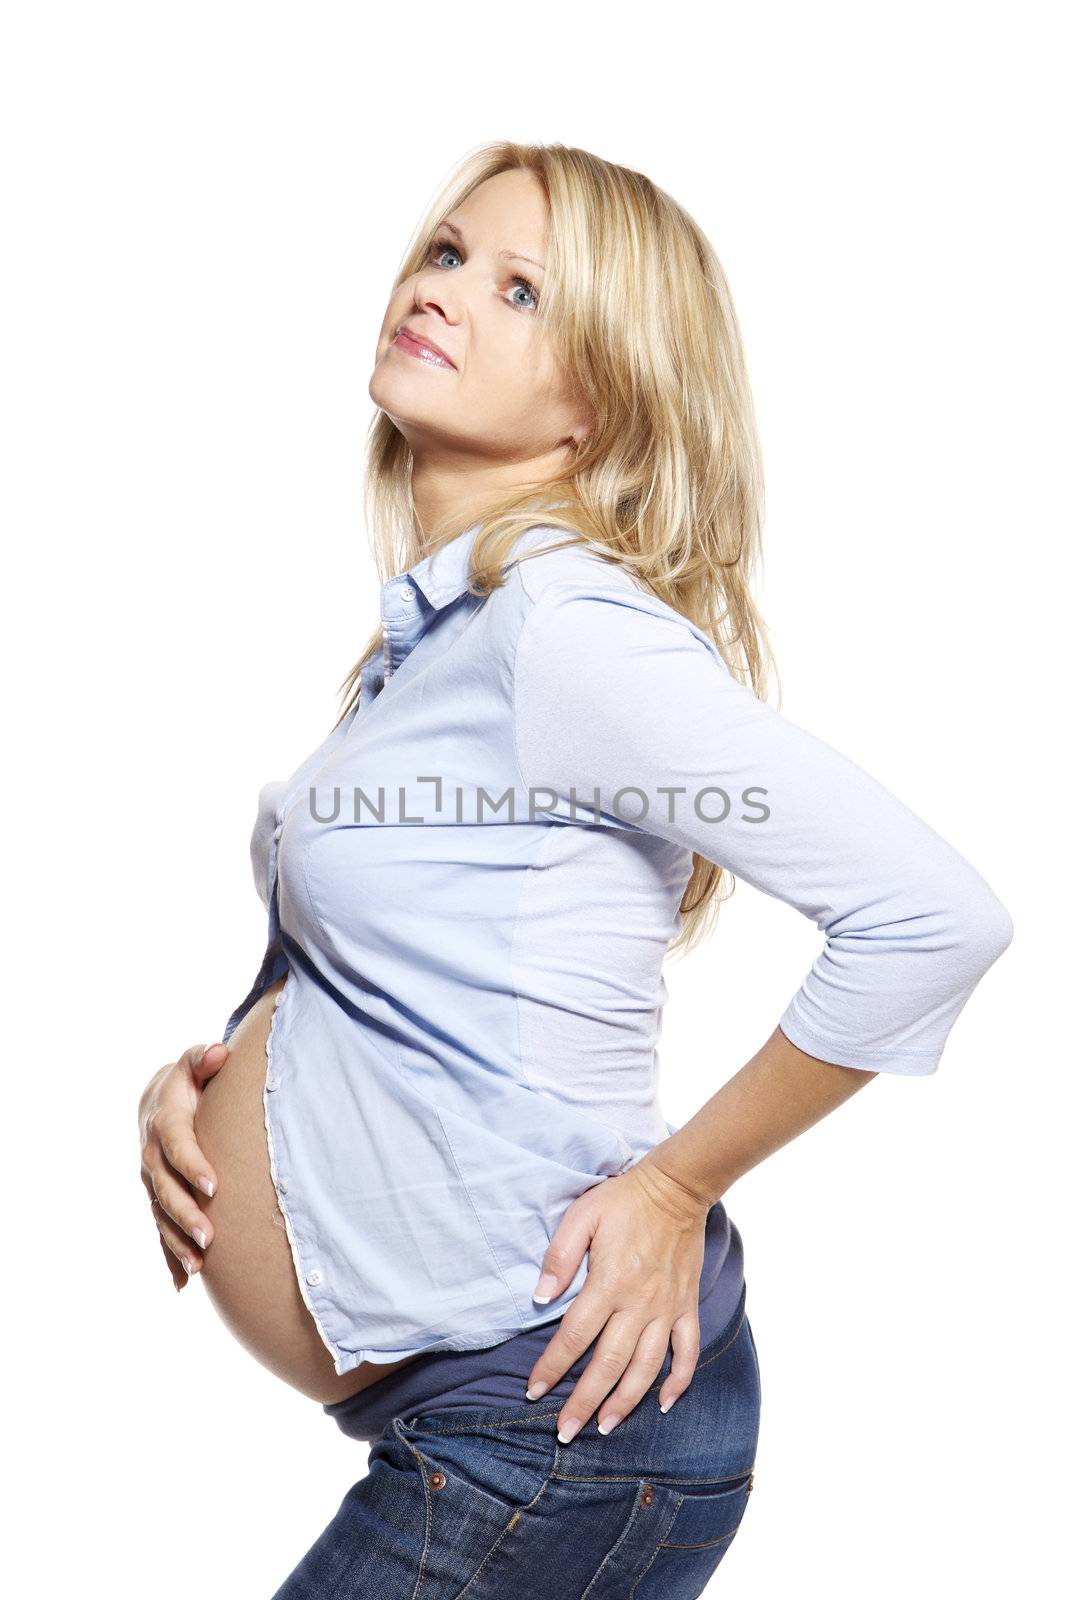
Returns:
<point x="392" y="394"/>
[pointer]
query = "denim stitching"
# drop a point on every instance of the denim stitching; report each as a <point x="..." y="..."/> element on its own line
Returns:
<point x="636" y="1503"/>
<point x="659" y="1477"/>
<point x="650" y="1560"/>
<point x="652" y="1477"/>
<point x="556" y="1476"/>
<point x="467" y="1427"/>
<point x="717" y="1353"/>
<point x="707" y="1544"/>
<point x="427" y="1510"/>
<point x="511" y="1524"/>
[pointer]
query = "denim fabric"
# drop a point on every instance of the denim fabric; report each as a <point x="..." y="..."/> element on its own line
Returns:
<point x="486" y="1504"/>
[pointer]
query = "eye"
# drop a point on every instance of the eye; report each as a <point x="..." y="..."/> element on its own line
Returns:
<point x="524" y="284"/>
<point x="439" y="247"/>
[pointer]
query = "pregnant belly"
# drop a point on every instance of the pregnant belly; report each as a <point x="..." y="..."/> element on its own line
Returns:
<point x="248" y="1270"/>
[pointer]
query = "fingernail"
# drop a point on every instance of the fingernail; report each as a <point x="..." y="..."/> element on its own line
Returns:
<point x="568" y="1430"/>
<point x="536" y="1391"/>
<point x="608" y="1423"/>
<point x="667" y="1405"/>
<point x="206" y="1184"/>
<point x="545" y="1288"/>
<point x="189" y="1268"/>
<point x="199" y="1235"/>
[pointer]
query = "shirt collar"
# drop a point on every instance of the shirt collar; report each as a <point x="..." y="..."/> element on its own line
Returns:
<point x="439" y="579"/>
<point x="444" y="574"/>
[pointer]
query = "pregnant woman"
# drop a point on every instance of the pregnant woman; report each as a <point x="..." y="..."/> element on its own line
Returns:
<point x="425" y="1177"/>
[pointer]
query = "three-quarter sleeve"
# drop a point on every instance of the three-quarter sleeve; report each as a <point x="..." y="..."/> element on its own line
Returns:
<point x="615" y="691"/>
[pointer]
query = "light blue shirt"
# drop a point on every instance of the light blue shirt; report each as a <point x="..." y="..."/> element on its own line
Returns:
<point x="468" y="1037"/>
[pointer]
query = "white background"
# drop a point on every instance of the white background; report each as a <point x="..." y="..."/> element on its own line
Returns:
<point x="203" y="209"/>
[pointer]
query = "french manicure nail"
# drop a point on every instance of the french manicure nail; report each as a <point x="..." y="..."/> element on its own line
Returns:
<point x="206" y="1184"/>
<point x="667" y="1405"/>
<point x="608" y="1424"/>
<point x="545" y="1288"/>
<point x="536" y="1392"/>
<point x="568" y="1430"/>
<point x="187" y="1265"/>
<point x="199" y="1235"/>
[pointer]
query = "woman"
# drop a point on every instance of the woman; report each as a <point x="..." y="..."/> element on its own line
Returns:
<point x="449" y="1207"/>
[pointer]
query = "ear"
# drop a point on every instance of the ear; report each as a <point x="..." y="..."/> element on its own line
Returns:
<point x="582" y="431"/>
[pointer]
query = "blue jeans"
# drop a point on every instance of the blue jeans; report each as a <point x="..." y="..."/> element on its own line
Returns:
<point x="485" y="1504"/>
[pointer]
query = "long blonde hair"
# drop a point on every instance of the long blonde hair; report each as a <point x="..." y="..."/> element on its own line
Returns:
<point x="669" y="482"/>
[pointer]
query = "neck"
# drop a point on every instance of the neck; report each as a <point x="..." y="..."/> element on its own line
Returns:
<point x="449" y="496"/>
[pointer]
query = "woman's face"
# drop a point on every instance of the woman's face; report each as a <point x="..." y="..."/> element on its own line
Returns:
<point x="503" y="400"/>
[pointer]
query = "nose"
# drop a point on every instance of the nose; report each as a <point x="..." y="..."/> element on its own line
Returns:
<point x="428" y="294"/>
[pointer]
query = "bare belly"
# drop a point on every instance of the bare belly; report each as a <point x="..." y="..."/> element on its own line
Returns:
<point x="248" y="1270"/>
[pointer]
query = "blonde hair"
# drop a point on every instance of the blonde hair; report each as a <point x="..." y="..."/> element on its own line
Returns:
<point x="669" y="481"/>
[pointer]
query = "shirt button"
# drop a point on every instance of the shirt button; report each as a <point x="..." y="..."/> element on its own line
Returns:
<point x="314" y="1276"/>
<point x="405" y="592"/>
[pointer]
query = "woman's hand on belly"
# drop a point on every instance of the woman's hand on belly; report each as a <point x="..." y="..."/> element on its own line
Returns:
<point x="173" y="1167"/>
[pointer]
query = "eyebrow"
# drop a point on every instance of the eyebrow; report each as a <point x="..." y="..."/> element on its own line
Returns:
<point x="504" y="255"/>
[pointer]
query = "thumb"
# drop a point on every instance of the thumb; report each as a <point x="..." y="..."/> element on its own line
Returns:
<point x="212" y="1058"/>
<point x="564" y="1255"/>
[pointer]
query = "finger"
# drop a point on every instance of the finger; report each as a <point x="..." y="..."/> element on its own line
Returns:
<point x="208" y="1060"/>
<point x="626" y="1361"/>
<point x="187" y="1220"/>
<point x="176" y="1241"/>
<point x="684" y="1337"/>
<point x="564" y="1254"/>
<point x="182" y="1260"/>
<point x="179" y="1276"/>
<point x="173" y="1127"/>
<point x="581" y="1324"/>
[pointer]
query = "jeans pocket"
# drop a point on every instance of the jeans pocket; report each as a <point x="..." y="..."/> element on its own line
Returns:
<point x="701" y="1530"/>
<point x="505" y="1464"/>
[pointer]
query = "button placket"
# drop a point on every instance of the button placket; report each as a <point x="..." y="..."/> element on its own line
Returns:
<point x="373" y="674"/>
<point x="272" y="1080"/>
<point x="403" y="626"/>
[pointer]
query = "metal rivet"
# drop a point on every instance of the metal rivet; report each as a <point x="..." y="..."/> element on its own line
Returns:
<point x="647" y="1495"/>
<point x="437" y="1480"/>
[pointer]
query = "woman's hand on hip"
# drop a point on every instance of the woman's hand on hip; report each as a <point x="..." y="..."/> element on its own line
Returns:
<point x="645" y="1238"/>
<point x="172" y="1164"/>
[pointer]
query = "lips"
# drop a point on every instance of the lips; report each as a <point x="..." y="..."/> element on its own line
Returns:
<point x="420" y="345"/>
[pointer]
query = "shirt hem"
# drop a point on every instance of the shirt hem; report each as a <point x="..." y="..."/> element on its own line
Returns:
<point x="475" y="1341"/>
<point x="907" y="1063"/>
